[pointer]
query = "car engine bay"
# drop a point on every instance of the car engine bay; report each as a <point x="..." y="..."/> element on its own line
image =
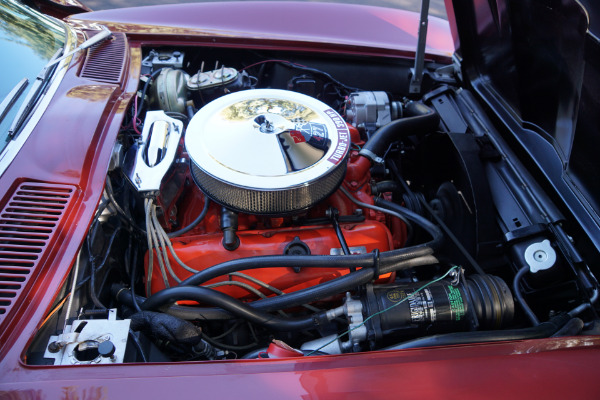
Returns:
<point x="263" y="204"/>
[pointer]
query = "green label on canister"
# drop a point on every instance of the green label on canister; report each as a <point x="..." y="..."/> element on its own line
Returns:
<point x="457" y="305"/>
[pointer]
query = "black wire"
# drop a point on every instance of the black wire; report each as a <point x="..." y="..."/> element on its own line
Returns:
<point x="100" y="289"/>
<point x="313" y="70"/>
<point x="111" y="196"/>
<point x="79" y="286"/>
<point x="127" y="257"/>
<point x="177" y="115"/>
<point x="92" y="292"/>
<point x="319" y="72"/>
<point x="194" y="223"/>
<point x="519" y="295"/>
<point x="94" y="269"/>
<point x="338" y="232"/>
<point x="411" y="216"/>
<point x="132" y="281"/>
<point x="138" y="346"/>
<point x="110" y="244"/>
<point x="228" y="331"/>
<point x="92" y="285"/>
<point x="146" y="85"/>
<point x="227" y="346"/>
<point x="439" y="221"/>
<point x="83" y="282"/>
<point x="251" y="328"/>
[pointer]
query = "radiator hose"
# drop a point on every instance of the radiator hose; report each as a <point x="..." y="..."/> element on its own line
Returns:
<point x="418" y="120"/>
<point x="234" y="306"/>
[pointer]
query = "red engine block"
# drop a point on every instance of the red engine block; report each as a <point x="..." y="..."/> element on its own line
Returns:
<point x="203" y="251"/>
<point x="202" y="247"/>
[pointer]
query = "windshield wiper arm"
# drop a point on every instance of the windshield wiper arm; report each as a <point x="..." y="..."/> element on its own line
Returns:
<point x="97" y="38"/>
<point x="41" y="79"/>
<point x="32" y="96"/>
<point x="11" y="98"/>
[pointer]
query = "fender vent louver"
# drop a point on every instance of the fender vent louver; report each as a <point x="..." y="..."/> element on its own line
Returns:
<point x="105" y="62"/>
<point x="28" y="224"/>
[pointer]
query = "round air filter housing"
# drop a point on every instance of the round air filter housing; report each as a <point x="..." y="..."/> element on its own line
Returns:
<point x="267" y="151"/>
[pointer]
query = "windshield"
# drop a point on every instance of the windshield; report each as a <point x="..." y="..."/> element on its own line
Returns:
<point x="28" y="41"/>
<point x="436" y="7"/>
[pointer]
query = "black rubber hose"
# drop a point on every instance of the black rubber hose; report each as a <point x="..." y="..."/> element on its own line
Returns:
<point x="138" y="346"/>
<point x="224" y="346"/>
<point x="228" y="303"/>
<point x="339" y="285"/>
<point x="386" y="259"/>
<point x="340" y="236"/>
<point x="420" y="120"/>
<point x="517" y="292"/>
<point x="385" y="187"/>
<point x="276" y="261"/>
<point x="198" y="313"/>
<point x="428" y="226"/>
<point x="132" y="281"/>
<point x="314" y="293"/>
<point x="93" y="268"/>
<point x="323" y="290"/>
<point x="572" y="328"/>
<point x="543" y="330"/>
<point x="166" y="328"/>
<point x="146" y="85"/>
<point x="125" y="297"/>
<point x="127" y="217"/>
<point x="194" y="223"/>
<point x="407" y="223"/>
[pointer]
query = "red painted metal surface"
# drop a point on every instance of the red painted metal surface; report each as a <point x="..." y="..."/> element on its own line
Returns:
<point x="325" y="26"/>
<point x="201" y="252"/>
<point x="60" y="8"/>
<point x="29" y="225"/>
<point x="563" y="368"/>
<point x="71" y="145"/>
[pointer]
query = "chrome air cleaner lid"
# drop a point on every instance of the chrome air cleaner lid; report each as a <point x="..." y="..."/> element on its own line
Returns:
<point x="267" y="151"/>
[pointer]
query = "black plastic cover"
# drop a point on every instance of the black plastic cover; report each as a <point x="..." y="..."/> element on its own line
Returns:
<point x="536" y="65"/>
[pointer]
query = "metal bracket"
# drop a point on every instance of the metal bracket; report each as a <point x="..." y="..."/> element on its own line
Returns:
<point x="90" y="334"/>
<point x="417" y="72"/>
<point x="146" y="174"/>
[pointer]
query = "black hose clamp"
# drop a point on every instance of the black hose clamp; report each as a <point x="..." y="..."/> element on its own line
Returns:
<point x="376" y="263"/>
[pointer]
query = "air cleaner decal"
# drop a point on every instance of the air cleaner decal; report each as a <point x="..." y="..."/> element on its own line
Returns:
<point x="297" y="136"/>
<point x="343" y="142"/>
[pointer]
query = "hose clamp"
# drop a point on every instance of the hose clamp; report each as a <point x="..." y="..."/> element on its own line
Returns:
<point x="376" y="263"/>
<point x="371" y="156"/>
<point x="456" y="274"/>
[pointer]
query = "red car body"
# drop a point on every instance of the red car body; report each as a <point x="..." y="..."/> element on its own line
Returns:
<point x="57" y="153"/>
